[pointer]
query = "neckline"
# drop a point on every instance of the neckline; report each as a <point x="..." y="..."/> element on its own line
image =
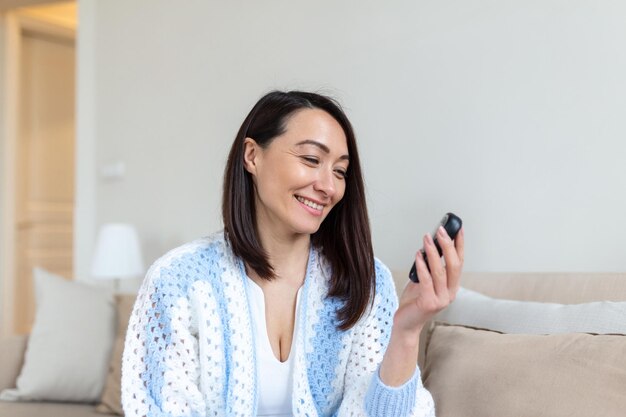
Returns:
<point x="261" y="322"/>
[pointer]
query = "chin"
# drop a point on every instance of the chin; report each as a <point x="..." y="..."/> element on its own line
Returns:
<point x="307" y="229"/>
<point x="308" y="226"/>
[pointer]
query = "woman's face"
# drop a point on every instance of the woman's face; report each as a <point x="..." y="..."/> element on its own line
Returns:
<point x="300" y="176"/>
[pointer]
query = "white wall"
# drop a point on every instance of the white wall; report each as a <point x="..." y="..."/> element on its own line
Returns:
<point x="509" y="113"/>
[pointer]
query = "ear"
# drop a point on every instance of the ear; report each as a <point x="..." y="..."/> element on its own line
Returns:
<point x="250" y="154"/>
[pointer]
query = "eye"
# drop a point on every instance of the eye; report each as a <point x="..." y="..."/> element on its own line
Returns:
<point x="341" y="173"/>
<point x="311" y="160"/>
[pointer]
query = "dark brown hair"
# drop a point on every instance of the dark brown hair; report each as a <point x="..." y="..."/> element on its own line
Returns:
<point x="344" y="237"/>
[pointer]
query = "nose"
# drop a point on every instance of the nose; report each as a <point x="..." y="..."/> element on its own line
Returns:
<point x="325" y="182"/>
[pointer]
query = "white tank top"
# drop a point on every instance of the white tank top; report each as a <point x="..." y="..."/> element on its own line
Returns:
<point x="275" y="378"/>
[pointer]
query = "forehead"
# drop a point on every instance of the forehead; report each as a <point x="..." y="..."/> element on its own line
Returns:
<point x="315" y="125"/>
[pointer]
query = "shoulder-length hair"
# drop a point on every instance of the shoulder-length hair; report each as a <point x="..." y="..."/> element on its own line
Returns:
<point x="344" y="237"/>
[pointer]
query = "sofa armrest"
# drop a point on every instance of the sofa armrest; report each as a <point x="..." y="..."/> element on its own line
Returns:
<point x="11" y="358"/>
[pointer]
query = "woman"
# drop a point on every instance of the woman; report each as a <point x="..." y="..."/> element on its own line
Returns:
<point x="286" y="312"/>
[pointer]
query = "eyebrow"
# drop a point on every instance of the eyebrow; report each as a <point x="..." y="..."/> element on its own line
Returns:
<point x="320" y="145"/>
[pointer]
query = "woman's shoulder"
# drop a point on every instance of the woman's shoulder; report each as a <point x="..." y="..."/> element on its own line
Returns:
<point x="385" y="284"/>
<point x="383" y="273"/>
<point x="197" y="253"/>
<point x="383" y="278"/>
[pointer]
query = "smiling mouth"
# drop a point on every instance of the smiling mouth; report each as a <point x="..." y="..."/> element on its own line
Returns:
<point x="310" y="203"/>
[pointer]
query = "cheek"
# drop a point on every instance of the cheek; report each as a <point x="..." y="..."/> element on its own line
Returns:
<point x="277" y="179"/>
<point x="341" y="190"/>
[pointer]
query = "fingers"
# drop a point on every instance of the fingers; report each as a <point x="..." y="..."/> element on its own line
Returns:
<point x="438" y="281"/>
<point x="437" y="271"/>
<point x="459" y="243"/>
<point x="426" y="281"/>
<point x="454" y="262"/>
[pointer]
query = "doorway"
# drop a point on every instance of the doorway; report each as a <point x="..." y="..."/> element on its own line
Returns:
<point x="39" y="155"/>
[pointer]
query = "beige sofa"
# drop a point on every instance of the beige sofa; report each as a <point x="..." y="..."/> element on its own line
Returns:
<point x="11" y="358"/>
<point x="555" y="288"/>
<point x="559" y="357"/>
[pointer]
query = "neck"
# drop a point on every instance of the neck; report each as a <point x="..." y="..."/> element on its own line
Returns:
<point x="288" y="255"/>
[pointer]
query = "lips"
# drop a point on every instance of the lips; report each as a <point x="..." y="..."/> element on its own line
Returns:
<point x="309" y="203"/>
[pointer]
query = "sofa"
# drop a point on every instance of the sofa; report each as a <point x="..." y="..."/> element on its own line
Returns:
<point x="11" y="359"/>
<point x="69" y="365"/>
<point x="481" y="377"/>
<point x="528" y="345"/>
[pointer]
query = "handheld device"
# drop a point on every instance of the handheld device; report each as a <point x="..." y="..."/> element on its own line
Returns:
<point x="452" y="224"/>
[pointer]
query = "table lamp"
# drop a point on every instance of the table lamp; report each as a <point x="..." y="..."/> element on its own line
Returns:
<point x="118" y="254"/>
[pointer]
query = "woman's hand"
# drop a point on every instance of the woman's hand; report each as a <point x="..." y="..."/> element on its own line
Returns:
<point x="437" y="288"/>
<point x="420" y="302"/>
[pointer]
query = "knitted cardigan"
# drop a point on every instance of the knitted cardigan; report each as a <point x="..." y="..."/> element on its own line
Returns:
<point x="189" y="348"/>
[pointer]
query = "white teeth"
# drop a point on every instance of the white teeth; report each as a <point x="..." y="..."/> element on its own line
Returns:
<point x="310" y="203"/>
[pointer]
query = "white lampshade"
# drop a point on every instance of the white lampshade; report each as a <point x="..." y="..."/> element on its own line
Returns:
<point x="117" y="254"/>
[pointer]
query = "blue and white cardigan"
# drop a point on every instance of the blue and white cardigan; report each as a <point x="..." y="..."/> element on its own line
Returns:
<point x="189" y="348"/>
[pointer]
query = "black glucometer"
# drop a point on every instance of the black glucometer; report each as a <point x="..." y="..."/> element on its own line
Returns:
<point x="452" y="224"/>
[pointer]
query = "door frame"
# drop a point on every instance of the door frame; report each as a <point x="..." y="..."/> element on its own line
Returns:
<point x="12" y="4"/>
<point x="16" y="24"/>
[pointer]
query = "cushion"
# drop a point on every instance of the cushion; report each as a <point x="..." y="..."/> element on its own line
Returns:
<point x="474" y="309"/>
<point x="477" y="310"/>
<point x="110" y="402"/>
<point x="473" y="372"/>
<point x="70" y="344"/>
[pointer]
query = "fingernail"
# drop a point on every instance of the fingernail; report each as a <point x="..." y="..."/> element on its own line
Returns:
<point x="441" y="231"/>
<point x="429" y="238"/>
